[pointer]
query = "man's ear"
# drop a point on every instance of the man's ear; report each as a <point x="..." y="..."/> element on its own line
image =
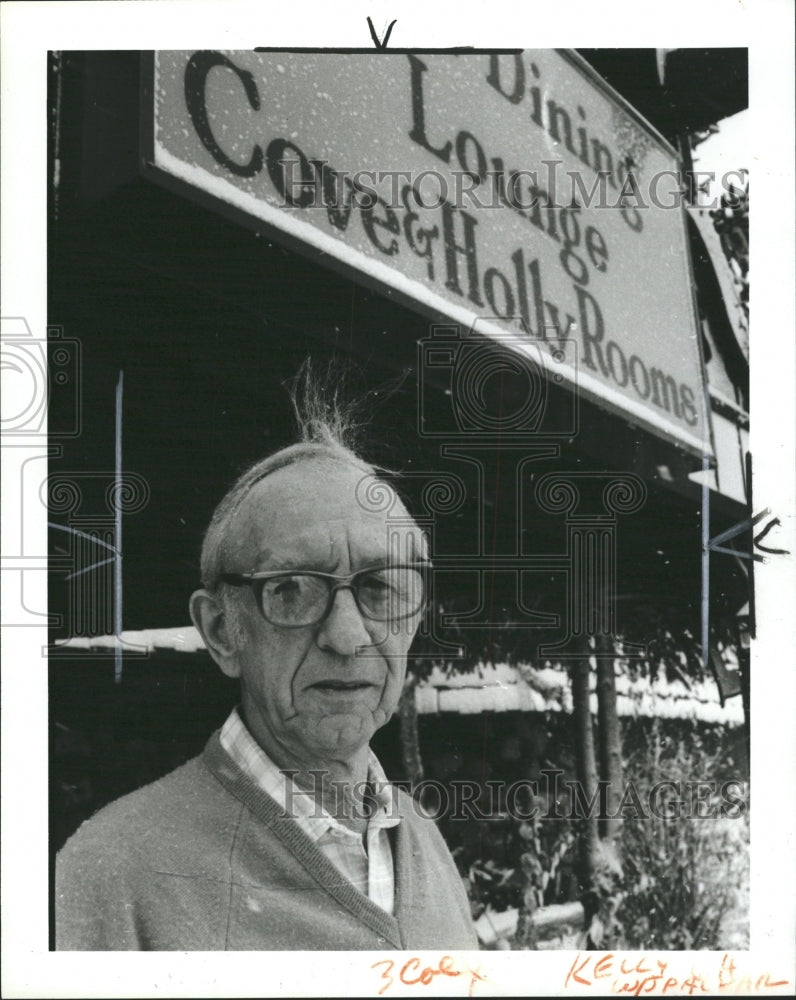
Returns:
<point x="213" y="625"/>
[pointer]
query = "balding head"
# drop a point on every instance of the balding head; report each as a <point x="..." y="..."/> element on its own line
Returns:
<point x="307" y="512"/>
<point x="214" y="548"/>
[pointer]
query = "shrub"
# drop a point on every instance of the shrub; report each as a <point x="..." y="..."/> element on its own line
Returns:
<point x="686" y="878"/>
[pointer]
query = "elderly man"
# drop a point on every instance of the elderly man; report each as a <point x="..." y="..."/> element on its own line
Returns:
<point x="284" y="833"/>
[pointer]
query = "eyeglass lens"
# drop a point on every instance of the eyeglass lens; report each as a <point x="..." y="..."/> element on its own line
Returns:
<point x="302" y="599"/>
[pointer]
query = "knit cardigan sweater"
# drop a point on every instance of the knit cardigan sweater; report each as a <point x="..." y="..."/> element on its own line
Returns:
<point x="204" y="860"/>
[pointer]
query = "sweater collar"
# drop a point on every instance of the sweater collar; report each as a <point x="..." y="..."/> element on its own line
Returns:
<point x="265" y="808"/>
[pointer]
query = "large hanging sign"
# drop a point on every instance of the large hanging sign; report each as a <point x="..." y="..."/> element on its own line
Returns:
<point x="512" y="191"/>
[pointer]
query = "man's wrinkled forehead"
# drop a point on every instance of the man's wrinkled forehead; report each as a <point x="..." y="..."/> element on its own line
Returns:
<point x="314" y="509"/>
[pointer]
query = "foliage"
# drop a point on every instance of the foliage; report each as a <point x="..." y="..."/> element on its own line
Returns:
<point x="503" y="857"/>
<point x="731" y="222"/>
<point x="665" y="630"/>
<point x="673" y="883"/>
<point x="686" y="878"/>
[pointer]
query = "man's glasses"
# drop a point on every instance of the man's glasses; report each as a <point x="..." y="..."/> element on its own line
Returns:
<point x="295" y="600"/>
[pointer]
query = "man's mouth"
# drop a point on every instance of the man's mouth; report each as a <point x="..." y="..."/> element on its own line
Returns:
<point x="342" y="685"/>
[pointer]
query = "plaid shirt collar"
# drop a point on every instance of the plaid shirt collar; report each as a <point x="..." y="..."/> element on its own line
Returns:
<point x="310" y="815"/>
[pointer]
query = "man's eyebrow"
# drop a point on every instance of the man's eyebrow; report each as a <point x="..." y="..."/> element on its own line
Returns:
<point x="387" y="563"/>
<point x="279" y="565"/>
<point x="289" y="565"/>
<point x="276" y="564"/>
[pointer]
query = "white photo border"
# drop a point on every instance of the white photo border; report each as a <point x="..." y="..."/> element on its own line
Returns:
<point x="765" y="27"/>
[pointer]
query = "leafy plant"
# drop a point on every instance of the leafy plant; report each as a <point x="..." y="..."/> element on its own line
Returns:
<point x="686" y="876"/>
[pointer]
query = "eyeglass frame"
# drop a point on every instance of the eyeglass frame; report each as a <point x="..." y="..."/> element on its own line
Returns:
<point x="256" y="582"/>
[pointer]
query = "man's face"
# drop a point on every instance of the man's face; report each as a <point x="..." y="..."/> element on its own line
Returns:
<point x="320" y="690"/>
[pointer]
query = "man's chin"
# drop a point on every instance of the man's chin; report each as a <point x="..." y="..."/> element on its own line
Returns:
<point x="344" y="731"/>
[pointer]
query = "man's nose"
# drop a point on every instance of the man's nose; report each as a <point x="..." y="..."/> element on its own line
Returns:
<point x="344" y="630"/>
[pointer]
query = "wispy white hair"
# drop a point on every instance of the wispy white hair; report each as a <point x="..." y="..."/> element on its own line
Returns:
<point x="328" y="429"/>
